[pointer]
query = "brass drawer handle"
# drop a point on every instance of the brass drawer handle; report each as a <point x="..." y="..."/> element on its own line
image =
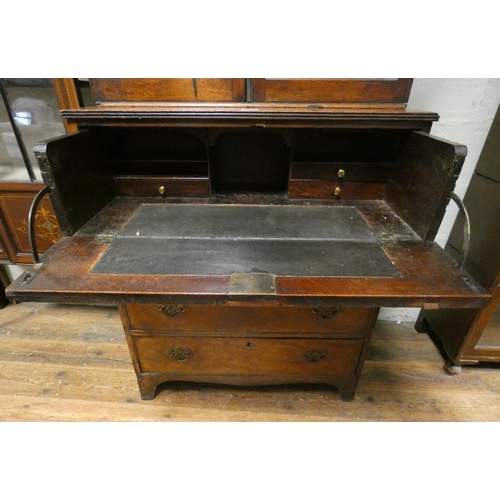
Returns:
<point x="314" y="356"/>
<point x="326" y="312"/>
<point x="180" y="354"/>
<point x="171" y="310"/>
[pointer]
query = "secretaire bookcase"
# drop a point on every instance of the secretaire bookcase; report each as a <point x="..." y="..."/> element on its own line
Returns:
<point x="249" y="230"/>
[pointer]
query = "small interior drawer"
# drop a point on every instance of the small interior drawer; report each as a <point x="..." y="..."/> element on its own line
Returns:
<point x="162" y="186"/>
<point x="345" y="171"/>
<point x="256" y="356"/>
<point x="247" y="319"/>
<point x="337" y="190"/>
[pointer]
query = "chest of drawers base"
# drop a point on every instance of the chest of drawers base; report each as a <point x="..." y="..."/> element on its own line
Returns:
<point x="247" y="345"/>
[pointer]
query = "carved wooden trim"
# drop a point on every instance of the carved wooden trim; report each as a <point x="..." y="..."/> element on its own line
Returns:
<point x="315" y="356"/>
<point x="180" y="354"/>
<point x="171" y="310"/>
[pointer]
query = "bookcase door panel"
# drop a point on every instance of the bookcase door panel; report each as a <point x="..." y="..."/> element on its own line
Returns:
<point x="105" y="90"/>
<point x="379" y="91"/>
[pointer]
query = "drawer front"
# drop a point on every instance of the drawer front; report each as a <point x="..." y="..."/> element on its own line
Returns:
<point x="135" y="186"/>
<point x="244" y="356"/>
<point x="337" y="190"/>
<point x="248" y="319"/>
<point x="341" y="171"/>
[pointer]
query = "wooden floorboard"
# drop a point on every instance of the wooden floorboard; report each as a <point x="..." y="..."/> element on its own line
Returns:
<point x="71" y="363"/>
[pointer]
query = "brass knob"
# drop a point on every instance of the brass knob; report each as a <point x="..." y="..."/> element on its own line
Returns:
<point x="161" y="189"/>
<point x="337" y="191"/>
<point x="341" y="173"/>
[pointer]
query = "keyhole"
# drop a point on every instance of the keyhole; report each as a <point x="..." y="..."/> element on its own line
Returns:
<point x="248" y="344"/>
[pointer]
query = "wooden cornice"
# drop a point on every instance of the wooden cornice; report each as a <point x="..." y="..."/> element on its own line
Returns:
<point x="248" y="114"/>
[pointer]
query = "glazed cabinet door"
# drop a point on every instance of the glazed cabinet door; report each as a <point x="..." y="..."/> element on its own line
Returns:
<point x="332" y="90"/>
<point x="108" y="90"/>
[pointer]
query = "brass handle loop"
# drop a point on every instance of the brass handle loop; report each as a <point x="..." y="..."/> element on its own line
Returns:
<point x="465" y="214"/>
<point x="31" y="222"/>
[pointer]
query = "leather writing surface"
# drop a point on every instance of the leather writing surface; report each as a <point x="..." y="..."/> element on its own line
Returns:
<point x="247" y="222"/>
<point x="221" y="240"/>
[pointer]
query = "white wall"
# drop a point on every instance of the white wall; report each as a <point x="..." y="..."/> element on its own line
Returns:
<point x="466" y="107"/>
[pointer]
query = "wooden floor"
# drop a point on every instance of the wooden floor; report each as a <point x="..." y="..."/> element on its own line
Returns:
<point x="71" y="363"/>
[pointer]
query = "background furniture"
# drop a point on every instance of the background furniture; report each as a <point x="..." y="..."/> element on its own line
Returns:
<point x="28" y="114"/>
<point x="249" y="229"/>
<point x="473" y="335"/>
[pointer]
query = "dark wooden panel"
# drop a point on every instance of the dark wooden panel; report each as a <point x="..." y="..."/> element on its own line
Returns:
<point x="461" y="335"/>
<point x="168" y="89"/>
<point x="451" y="327"/>
<point x="334" y="90"/>
<point x="162" y="144"/>
<point x="160" y="168"/>
<point x="422" y="180"/>
<point x="348" y="190"/>
<point x="249" y="160"/>
<point x="286" y="320"/>
<point x="142" y="186"/>
<point x="15" y="203"/>
<point x="74" y="167"/>
<point x="248" y="356"/>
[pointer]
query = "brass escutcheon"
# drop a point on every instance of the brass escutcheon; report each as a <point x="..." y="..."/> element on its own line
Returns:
<point x="314" y="356"/>
<point x="341" y="173"/>
<point x="171" y="310"/>
<point x="161" y="189"/>
<point x="326" y="312"/>
<point x="337" y="191"/>
<point x="180" y="354"/>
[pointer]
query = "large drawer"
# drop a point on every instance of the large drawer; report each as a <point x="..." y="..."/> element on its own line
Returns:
<point x="246" y="356"/>
<point x="248" y="319"/>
